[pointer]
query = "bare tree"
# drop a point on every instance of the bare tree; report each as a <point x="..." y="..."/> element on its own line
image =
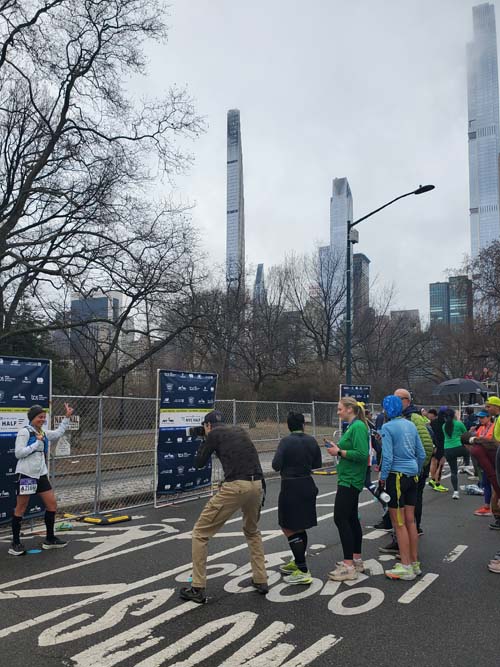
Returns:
<point x="316" y="291"/>
<point x="74" y="150"/>
<point x="77" y="162"/>
<point x="269" y="347"/>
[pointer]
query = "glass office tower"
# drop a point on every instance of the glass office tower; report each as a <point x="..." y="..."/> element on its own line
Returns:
<point x="235" y="211"/>
<point x="482" y="94"/>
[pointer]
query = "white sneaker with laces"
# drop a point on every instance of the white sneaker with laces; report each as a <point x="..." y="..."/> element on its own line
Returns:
<point x="455" y="495"/>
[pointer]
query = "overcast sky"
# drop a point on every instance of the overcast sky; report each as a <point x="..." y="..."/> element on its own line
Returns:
<point x="374" y="91"/>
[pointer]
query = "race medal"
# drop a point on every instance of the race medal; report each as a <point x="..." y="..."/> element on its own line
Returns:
<point x="27" y="486"/>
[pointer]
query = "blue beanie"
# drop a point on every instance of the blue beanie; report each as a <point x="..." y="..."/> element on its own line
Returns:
<point x="393" y="406"/>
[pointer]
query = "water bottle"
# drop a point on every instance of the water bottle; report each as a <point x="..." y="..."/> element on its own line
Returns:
<point x="378" y="492"/>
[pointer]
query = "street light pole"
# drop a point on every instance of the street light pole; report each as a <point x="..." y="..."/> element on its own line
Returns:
<point x="352" y="238"/>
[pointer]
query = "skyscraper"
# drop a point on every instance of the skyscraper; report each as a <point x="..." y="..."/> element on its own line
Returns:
<point x="451" y="302"/>
<point x="439" y="298"/>
<point x="341" y="212"/>
<point x="460" y="300"/>
<point x="235" y="209"/>
<point x="484" y="143"/>
<point x="360" y="285"/>
<point x="259" y="288"/>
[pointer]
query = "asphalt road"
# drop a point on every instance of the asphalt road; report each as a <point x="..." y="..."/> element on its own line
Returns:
<point x="110" y="598"/>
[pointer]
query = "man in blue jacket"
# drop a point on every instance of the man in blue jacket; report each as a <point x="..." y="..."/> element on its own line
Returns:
<point x="403" y="457"/>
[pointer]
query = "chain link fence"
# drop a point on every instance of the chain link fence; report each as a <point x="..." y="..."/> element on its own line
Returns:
<point x="106" y="461"/>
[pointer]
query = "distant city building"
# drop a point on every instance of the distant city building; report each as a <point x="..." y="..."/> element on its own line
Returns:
<point x="360" y="285"/>
<point x="259" y="288"/>
<point x="341" y="212"/>
<point x="235" y="210"/>
<point x="451" y="302"/>
<point x="484" y="143"/>
<point x="460" y="300"/>
<point x="325" y="258"/>
<point x="408" y="318"/>
<point x="439" y="297"/>
<point x="94" y="337"/>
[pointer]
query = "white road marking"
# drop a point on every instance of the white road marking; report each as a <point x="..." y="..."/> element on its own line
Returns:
<point x="361" y="577"/>
<point x="455" y="553"/>
<point x="330" y="588"/>
<point x="386" y="557"/>
<point x="317" y="547"/>
<point x="336" y="604"/>
<point x="374" y="567"/>
<point x="375" y="535"/>
<point x="413" y="592"/>
<point x="300" y="593"/>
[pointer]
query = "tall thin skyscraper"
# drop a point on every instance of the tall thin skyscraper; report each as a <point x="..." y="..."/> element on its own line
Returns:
<point x="259" y="288"/>
<point x="484" y="143"/>
<point x="235" y="210"/>
<point x="341" y="212"/>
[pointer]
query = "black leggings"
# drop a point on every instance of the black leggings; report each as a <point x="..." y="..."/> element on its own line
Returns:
<point x="345" y="515"/>
<point x="451" y="456"/>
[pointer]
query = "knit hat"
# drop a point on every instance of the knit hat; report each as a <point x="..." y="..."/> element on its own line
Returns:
<point x="393" y="406"/>
<point x="34" y="411"/>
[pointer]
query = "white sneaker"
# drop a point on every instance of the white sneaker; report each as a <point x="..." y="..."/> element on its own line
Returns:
<point x="455" y="495"/>
<point x="343" y="573"/>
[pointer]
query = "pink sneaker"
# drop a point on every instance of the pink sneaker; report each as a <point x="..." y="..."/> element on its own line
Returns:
<point x="494" y="566"/>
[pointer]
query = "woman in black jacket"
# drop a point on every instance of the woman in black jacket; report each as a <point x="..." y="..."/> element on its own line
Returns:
<point x="297" y="455"/>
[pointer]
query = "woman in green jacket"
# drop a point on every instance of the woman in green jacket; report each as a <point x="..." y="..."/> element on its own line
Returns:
<point x="453" y="429"/>
<point x="353" y="452"/>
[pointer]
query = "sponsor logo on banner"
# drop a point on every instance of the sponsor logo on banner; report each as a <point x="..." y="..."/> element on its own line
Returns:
<point x="4" y="494"/>
<point x="181" y="387"/>
<point x="178" y="400"/>
<point x="167" y="487"/>
<point x="194" y="388"/>
<point x="191" y="400"/>
<point x="170" y="386"/>
<point x="39" y="380"/>
<point x="26" y="380"/>
<point x="168" y="456"/>
<point x="166" y="400"/>
<point x="183" y="455"/>
<point x="2" y="396"/>
<point x="19" y="397"/>
<point x="38" y="397"/>
<point x="167" y="472"/>
<point x="180" y="470"/>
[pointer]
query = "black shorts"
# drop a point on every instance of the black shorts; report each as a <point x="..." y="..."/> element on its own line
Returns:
<point x="402" y="493"/>
<point x="439" y="453"/>
<point x="42" y="486"/>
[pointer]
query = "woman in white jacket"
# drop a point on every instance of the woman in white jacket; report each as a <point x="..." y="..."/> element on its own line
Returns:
<point x="32" y="447"/>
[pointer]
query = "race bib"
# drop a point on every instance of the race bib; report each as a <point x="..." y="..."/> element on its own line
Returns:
<point x="27" y="486"/>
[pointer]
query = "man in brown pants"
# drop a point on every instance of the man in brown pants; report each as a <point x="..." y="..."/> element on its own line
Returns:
<point x="241" y="490"/>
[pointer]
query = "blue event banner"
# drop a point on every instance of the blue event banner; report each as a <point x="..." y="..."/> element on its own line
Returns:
<point x="23" y="383"/>
<point x="185" y="398"/>
<point x="361" y="392"/>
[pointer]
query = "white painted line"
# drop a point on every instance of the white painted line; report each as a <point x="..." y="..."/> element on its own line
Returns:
<point x="413" y="592"/>
<point x="361" y="577"/>
<point x="386" y="557"/>
<point x="330" y="588"/>
<point x="455" y="553"/>
<point x="375" y="535"/>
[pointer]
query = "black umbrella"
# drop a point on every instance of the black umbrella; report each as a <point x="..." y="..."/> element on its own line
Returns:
<point x="459" y="386"/>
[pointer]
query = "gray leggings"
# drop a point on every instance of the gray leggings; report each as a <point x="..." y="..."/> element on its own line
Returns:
<point x="452" y="455"/>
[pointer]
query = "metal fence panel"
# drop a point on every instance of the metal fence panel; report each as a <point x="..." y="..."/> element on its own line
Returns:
<point x="108" y="463"/>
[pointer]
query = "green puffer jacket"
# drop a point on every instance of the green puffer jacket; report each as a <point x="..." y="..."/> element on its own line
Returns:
<point x="420" y="422"/>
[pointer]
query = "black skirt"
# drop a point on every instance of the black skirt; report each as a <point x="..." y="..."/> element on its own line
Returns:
<point x="297" y="503"/>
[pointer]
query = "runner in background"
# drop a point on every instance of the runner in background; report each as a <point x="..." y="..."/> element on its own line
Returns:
<point x="32" y="451"/>
<point x="438" y="460"/>
<point x="453" y="430"/>
<point x="484" y="430"/>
